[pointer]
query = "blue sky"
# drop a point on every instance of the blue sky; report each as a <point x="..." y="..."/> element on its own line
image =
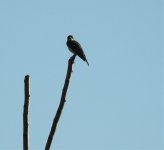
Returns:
<point x="114" y="104"/>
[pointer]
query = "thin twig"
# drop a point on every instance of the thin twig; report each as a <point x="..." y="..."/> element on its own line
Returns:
<point x="25" y="112"/>
<point x="62" y="101"/>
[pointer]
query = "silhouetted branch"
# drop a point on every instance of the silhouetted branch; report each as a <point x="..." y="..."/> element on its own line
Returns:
<point x="62" y="101"/>
<point x="25" y="112"/>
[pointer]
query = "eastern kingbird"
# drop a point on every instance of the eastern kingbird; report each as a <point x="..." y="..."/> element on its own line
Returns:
<point x="76" y="48"/>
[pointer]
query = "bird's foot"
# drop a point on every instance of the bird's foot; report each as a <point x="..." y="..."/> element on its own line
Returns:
<point x="72" y="58"/>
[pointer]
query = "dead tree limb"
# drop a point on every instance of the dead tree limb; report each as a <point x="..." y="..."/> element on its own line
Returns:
<point x="25" y="112"/>
<point x="61" y="105"/>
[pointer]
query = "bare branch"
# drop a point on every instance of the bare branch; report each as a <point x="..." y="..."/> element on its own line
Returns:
<point x="25" y="112"/>
<point x="62" y="101"/>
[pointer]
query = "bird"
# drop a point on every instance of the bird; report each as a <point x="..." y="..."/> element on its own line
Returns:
<point x="76" y="48"/>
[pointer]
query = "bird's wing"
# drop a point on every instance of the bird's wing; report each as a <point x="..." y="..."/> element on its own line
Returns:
<point x="76" y="47"/>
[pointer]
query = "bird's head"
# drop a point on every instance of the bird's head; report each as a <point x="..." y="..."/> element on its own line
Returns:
<point x="70" y="37"/>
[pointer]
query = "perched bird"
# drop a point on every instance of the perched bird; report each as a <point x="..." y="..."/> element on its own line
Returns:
<point x="76" y="48"/>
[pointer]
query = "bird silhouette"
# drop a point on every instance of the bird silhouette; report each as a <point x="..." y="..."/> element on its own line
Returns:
<point x="76" y="48"/>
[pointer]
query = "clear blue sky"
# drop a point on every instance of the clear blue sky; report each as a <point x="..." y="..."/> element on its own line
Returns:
<point x="114" y="104"/>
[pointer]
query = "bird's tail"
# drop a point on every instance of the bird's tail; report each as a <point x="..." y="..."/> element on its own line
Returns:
<point x="87" y="62"/>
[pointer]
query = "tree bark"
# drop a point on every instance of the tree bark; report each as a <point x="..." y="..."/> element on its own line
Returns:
<point x="25" y="112"/>
<point x="62" y="102"/>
